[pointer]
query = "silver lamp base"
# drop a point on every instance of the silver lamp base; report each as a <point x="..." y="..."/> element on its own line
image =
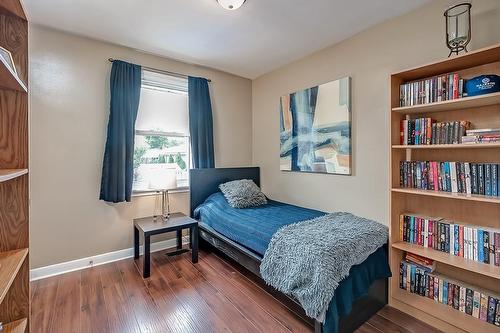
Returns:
<point x="165" y="206"/>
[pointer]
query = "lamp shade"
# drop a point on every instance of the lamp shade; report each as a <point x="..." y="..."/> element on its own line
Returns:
<point x="162" y="178"/>
<point x="231" y="4"/>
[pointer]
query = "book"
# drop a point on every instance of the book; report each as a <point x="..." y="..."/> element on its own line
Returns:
<point x="497" y="314"/>
<point x="483" y="307"/>
<point x="486" y="247"/>
<point x="492" y="246"/>
<point x="480" y="178"/>
<point x="480" y="246"/>
<point x="455" y="177"/>
<point x="474" y="244"/>
<point x="497" y="249"/>
<point x="495" y="188"/>
<point x="469" y="295"/>
<point x="473" y="177"/>
<point x="490" y="315"/>
<point x="476" y="303"/>
<point x="487" y="179"/>
<point x="430" y="90"/>
<point x="462" y="299"/>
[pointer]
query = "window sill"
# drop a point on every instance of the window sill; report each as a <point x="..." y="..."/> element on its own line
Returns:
<point x="137" y="194"/>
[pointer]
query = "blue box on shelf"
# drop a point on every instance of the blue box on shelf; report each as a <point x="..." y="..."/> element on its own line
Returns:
<point x="483" y="84"/>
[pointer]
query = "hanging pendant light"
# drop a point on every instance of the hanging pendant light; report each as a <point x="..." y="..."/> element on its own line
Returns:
<point x="231" y="4"/>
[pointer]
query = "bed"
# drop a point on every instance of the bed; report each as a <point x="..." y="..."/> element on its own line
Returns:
<point x="243" y="235"/>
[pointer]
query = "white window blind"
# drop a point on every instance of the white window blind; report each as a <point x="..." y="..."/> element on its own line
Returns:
<point x="163" y="105"/>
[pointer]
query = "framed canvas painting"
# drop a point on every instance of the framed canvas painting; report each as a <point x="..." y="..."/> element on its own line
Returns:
<point x="315" y="129"/>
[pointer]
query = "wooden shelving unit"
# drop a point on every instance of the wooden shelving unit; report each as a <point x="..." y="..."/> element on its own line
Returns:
<point x="446" y="258"/>
<point x="8" y="174"/>
<point x="484" y="211"/>
<point x="10" y="264"/>
<point x="13" y="8"/>
<point x="14" y="184"/>
<point x="448" y="195"/>
<point x="18" y="326"/>
<point x="451" y="146"/>
<point x="463" y="103"/>
<point x="462" y="320"/>
<point x="10" y="80"/>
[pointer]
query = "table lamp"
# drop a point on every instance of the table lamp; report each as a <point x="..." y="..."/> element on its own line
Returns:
<point x="162" y="180"/>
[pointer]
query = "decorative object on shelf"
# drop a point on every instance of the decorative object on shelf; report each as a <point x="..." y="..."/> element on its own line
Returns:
<point x="231" y="4"/>
<point x="315" y="125"/>
<point x="458" y="27"/>
<point x="483" y="84"/>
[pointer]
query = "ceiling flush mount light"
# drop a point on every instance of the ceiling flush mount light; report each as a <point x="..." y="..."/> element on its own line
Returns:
<point x="231" y="4"/>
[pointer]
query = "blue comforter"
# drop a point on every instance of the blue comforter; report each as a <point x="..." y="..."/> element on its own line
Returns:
<point x="250" y="227"/>
<point x="254" y="228"/>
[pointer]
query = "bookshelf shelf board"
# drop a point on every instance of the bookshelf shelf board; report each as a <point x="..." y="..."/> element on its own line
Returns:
<point x="451" y="146"/>
<point x="13" y="8"/>
<point x="10" y="263"/>
<point x="8" y="174"/>
<point x="459" y="196"/>
<point x="444" y="312"/>
<point x="18" y="326"/>
<point x="448" y="259"/>
<point x="455" y="104"/>
<point x="9" y="79"/>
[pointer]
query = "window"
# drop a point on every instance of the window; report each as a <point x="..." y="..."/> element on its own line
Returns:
<point x="162" y="152"/>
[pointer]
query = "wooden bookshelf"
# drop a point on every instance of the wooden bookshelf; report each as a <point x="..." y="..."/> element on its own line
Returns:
<point x="456" y="104"/>
<point x="10" y="264"/>
<point x="18" y="326"/>
<point x="8" y="174"/>
<point x="484" y="211"/>
<point x="13" y="8"/>
<point x="14" y="181"/>
<point x="9" y="79"/>
<point x="448" y="195"/>
<point x="451" y="146"/>
<point x="462" y="321"/>
<point x="448" y="259"/>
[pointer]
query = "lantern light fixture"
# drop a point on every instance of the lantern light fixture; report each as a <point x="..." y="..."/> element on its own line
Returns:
<point x="458" y="27"/>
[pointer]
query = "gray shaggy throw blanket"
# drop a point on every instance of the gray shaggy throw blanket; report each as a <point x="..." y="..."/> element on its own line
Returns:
<point x="307" y="260"/>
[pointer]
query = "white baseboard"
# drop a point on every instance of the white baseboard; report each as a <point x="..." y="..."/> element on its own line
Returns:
<point x="100" y="259"/>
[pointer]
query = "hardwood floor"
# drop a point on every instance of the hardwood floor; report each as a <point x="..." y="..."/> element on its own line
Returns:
<point x="210" y="296"/>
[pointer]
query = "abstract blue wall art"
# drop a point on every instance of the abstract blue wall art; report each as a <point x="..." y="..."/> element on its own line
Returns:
<point x="315" y="129"/>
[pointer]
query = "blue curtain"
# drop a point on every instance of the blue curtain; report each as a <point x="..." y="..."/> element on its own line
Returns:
<point x="201" y="123"/>
<point x="117" y="166"/>
<point x="303" y="107"/>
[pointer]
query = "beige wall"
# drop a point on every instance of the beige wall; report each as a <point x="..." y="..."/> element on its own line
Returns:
<point x="369" y="58"/>
<point x="69" y="106"/>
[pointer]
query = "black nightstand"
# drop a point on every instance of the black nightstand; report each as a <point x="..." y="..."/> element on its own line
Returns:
<point x="149" y="226"/>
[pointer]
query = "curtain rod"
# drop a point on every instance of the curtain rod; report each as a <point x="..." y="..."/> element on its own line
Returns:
<point x="161" y="71"/>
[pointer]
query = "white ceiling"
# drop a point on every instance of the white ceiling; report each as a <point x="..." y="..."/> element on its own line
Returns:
<point x="259" y="37"/>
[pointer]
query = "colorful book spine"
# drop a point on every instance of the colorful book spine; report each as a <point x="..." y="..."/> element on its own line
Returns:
<point x="472" y="243"/>
<point x="451" y="176"/>
<point x="478" y="303"/>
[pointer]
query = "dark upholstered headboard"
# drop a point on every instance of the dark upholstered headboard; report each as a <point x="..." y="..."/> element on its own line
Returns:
<point x="204" y="182"/>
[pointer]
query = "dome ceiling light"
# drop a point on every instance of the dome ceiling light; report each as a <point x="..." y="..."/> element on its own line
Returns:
<point x="231" y="4"/>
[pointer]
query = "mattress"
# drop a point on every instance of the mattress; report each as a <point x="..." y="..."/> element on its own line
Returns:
<point x="250" y="227"/>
